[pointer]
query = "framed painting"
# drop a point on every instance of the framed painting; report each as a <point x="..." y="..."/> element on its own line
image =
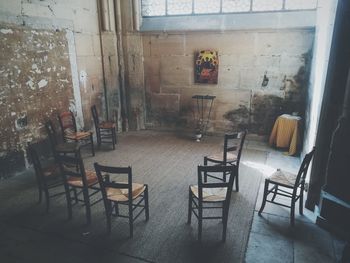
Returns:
<point x="206" y="67"/>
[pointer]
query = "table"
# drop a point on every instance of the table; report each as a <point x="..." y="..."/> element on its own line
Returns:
<point x="201" y="110"/>
<point x="285" y="133"/>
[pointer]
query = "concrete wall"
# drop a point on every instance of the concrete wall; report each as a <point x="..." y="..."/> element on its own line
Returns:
<point x="244" y="57"/>
<point x="73" y="26"/>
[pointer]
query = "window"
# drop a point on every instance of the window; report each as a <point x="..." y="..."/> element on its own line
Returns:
<point x="191" y="7"/>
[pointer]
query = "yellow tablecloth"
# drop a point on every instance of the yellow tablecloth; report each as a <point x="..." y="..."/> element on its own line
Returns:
<point x="285" y="133"/>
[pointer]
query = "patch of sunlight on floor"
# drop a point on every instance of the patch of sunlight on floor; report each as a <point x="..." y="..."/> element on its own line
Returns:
<point x="266" y="170"/>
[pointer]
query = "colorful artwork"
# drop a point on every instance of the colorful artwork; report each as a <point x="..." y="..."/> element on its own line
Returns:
<point x="207" y="67"/>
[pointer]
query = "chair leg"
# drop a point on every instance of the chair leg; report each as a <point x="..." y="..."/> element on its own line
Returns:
<point x="225" y="218"/>
<point x="69" y="201"/>
<point x="116" y="209"/>
<point x="275" y="193"/>
<point x="108" y="216"/>
<point x="114" y="138"/>
<point x="40" y="195"/>
<point x="301" y="201"/>
<point x="98" y="137"/>
<point x="146" y="203"/>
<point x="237" y="186"/>
<point x="266" y="188"/>
<point x="189" y="216"/>
<point x="92" y="145"/>
<point x="200" y="218"/>
<point x="47" y="199"/>
<point x="75" y="195"/>
<point x="115" y="135"/>
<point x="131" y="219"/>
<point x="87" y="205"/>
<point x="292" y="212"/>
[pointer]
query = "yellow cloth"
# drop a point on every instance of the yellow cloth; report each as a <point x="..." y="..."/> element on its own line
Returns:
<point x="285" y="133"/>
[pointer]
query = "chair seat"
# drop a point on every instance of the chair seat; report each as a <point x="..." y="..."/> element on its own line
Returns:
<point x="51" y="170"/>
<point x="106" y="125"/>
<point x="91" y="179"/>
<point x="121" y="195"/>
<point x="78" y="135"/>
<point x="231" y="157"/>
<point x="283" y="177"/>
<point x="210" y="194"/>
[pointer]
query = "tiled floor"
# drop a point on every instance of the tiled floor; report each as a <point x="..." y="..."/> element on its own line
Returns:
<point x="272" y="239"/>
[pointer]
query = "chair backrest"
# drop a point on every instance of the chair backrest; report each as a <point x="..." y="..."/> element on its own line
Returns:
<point x="304" y="168"/>
<point x="95" y="115"/>
<point x="72" y="166"/>
<point x="216" y="171"/>
<point x="37" y="165"/>
<point x="234" y="143"/>
<point x="51" y="132"/>
<point x="104" y="174"/>
<point x="67" y="123"/>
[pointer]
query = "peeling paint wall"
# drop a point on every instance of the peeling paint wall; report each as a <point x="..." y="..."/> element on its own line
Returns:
<point x="80" y="20"/>
<point x="244" y="57"/>
<point x="35" y="83"/>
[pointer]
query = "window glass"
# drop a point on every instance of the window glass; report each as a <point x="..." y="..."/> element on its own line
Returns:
<point x="301" y="4"/>
<point x="207" y="6"/>
<point x="235" y="6"/>
<point x="189" y="7"/>
<point x="267" y="5"/>
<point x="179" y="7"/>
<point x="153" y="7"/>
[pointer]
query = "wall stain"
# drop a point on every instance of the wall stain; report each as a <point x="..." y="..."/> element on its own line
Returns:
<point x="35" y="84"/>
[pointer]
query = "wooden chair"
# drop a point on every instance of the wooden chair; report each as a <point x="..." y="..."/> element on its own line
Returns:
<point x="47" y="178"/>
<point x="105" y="130"/>
<point x="231" y="154"/>
<point x="70" y="132"/>
<point x="122" y="192"/>
<point x="57" y="147"/>
<point x="292" y="187"/>
<point x="81" y="181"/>
<point x="203" y="195"/>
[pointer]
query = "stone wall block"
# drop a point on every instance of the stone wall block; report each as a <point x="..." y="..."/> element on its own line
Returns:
<point x="167" y="45"/>
<point x="85" y="44"/>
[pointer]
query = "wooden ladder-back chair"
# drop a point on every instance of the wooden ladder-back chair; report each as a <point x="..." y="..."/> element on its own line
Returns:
<point x="122" y="192"/>
<point x="105" y="130"/>
<point x="79" y="180"/>
<point x="58" y="148"/>
<point x="292" y="187"/>
<point x="70" y="132"/>
<point x="231" y="154"/>
<point x="47" y="178"/>
<point x="204" y="194"/>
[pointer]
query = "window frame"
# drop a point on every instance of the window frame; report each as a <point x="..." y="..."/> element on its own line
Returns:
<point x="251" y="11"/>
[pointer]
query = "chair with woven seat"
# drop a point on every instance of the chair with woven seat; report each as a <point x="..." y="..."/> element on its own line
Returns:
<point x="206" y="194"/>
<point x="48" y="178"/>
<point x="70" y="132"/>
<point x="59" y="147"/>
<point x="231" y="154"/>
<point x="292" y="187"/>
<point x="81" y="181"/>
<point x="105" y="130"/>
<point x="122" y="191"/>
